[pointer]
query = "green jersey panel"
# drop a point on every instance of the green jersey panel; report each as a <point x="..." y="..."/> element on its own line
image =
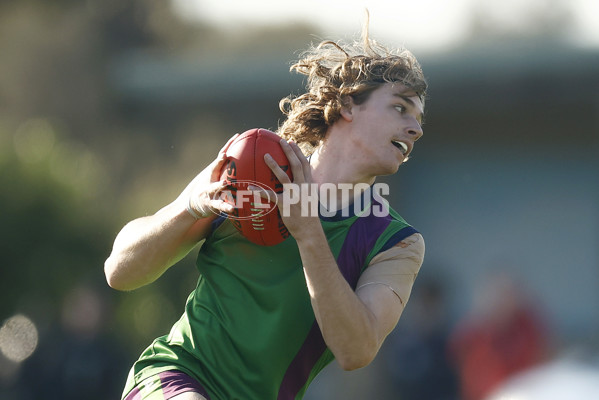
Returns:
<point x="249" y="331"/>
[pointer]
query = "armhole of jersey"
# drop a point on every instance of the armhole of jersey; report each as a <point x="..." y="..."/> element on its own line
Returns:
<point x="394" y="239"/>
<point x="216" y="223"/>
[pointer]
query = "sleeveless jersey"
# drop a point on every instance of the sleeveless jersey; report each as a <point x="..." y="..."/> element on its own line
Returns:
<point x="249" y="331"/>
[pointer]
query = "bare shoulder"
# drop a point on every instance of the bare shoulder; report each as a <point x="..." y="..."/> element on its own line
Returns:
<point x="412" y="247"/>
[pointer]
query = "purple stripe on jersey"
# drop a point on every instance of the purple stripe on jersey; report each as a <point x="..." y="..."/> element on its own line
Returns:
<point x="299" y="369"/>
<point x="358" y="243"/>
<point x="360" y="240"/>
<point x="176" y="382"/>
<point x="134" y="394"/>
<point x="172" y="383"/>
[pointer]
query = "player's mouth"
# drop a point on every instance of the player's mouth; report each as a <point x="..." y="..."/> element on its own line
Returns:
<point x="403" y="147"/>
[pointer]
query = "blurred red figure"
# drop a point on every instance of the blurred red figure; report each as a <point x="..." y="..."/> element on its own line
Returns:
<point x="503" y="336"/>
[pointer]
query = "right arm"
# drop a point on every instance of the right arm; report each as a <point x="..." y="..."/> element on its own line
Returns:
<point x="146" y="247"/>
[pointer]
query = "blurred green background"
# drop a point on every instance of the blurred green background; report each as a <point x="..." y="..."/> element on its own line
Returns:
<point x="108" y="109"/>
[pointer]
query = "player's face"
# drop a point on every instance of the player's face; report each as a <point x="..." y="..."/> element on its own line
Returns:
<point x="385" y="127"/>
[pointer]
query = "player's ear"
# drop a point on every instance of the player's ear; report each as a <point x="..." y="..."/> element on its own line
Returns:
<point x="347" y="104"/>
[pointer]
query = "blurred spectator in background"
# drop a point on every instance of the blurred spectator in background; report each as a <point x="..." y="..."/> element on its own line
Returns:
<point x="75" y="360"/>
<point x="418" y="361"/>
<point x="504" y="335"/>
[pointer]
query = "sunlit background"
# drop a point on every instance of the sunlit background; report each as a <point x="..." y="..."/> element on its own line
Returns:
<point x="108" y="108"/>
<point x="426" y="25"/>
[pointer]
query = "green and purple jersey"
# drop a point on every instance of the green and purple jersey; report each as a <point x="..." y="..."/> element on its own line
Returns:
<point x="249" y="331"/>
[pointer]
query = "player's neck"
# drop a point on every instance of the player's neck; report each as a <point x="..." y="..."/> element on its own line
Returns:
<point x="333" y="164"/>
<point x="325" y="170"/>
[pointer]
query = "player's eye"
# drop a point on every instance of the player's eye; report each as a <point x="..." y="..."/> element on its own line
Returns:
<point x="400" y="108"/>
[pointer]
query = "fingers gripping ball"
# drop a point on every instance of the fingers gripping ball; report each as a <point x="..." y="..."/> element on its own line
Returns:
<point x="256" y="218"/>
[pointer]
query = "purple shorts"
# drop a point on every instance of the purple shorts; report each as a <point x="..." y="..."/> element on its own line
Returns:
<point x="166" y="385"/>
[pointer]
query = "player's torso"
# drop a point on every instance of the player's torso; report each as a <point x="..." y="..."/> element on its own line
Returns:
<point x="253" y="304"/>
<point x="249" y="331"/>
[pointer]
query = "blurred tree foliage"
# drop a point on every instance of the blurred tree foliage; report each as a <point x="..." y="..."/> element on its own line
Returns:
<point x="77" y="161"/>
<point x="64" y="154"/>
<point x="50" y="239"/>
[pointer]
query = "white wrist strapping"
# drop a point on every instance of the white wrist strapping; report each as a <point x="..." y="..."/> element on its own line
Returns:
<point x="191" y="211"/>
<point x="197" y="212"/>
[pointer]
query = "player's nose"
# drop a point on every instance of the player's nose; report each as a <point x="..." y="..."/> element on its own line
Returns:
<point x="414" y="129"/>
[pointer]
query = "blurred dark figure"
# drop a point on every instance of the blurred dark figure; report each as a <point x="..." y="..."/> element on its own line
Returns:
<point x="75" y="360"/>
<point x="504" y="335"/>
<point x="418" y="359"/>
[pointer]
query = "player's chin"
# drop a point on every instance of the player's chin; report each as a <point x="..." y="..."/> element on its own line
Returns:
<point x="393" y="167"/>
<point x="388" y="170"/>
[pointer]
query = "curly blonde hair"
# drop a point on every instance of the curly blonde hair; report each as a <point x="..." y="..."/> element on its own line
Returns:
<point x="334" y="74"/>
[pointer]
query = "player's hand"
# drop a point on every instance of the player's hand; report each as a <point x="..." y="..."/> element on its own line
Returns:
<point x="298" y="221"/>
<point x="203" y="200"/>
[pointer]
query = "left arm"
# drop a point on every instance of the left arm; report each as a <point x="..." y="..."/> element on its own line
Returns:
<point x="353" y="324"/>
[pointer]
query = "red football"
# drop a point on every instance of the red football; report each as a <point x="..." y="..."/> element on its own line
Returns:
<point x="256" y="218"/>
